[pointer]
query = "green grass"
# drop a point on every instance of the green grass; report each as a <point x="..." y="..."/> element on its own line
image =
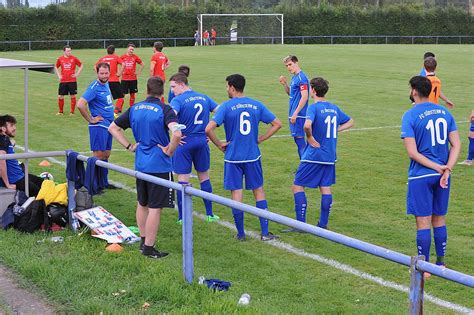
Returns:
<point x="370" y="83"/>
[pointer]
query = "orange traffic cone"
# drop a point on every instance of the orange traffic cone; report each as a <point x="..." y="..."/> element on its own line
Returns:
<point x="44" y="163"/>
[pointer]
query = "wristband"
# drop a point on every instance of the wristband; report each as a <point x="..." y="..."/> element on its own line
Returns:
<point x="128" y="146"/>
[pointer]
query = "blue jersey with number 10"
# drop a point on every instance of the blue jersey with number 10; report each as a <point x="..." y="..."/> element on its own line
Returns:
<point x="241" y="117"/>
<point x="193" y="110"/>
<point x="430" y="125"/>
<point x="326" y="118"/>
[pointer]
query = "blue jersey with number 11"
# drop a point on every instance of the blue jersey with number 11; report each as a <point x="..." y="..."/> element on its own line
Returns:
<point x="193" y="111"/>
<point x="430" y="125"/>
<point x="326" y="118"/>
<point x="241" y="117"/>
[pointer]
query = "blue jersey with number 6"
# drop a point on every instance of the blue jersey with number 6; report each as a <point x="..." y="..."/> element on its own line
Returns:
<point x="430" y="125"/>
<point x="193" y="110"/>
<point x="241" y="117"/>
<point x="326" y="118"/>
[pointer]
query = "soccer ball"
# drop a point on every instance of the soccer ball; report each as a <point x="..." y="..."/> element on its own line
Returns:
<point x="46" y="175"/>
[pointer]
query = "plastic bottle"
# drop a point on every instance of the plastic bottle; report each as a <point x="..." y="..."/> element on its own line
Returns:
<point x="201" y="279"/>
<point x="244" y="299"/>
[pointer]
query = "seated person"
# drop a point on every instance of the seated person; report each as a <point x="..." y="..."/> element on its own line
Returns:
<point x="11" y="173"/>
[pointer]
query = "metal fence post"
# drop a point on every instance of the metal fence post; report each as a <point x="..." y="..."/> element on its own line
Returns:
<point x="140" y="43"/>
<point x="188" y="260"/>
<point x="29" y="45"/>
<point x="104" y="43"/>
<point x="71" y="203"/>
<point x="332" y="40"/>
<point x="417" y="284"/>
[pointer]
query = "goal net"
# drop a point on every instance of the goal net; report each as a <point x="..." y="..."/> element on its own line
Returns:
<point x="240" y="28"/>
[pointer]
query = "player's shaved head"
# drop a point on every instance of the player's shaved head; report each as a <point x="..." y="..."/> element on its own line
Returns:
<point x="154" y="87"/>
<point x="290" y="58"/>
<point x="237" y="81"/>
<point x="430" y="64"/>
<point x="184" y="69"/>
<point x="131" y="45"/>
<point x="110" y="49"/>
<point x="320" y="86"/>
<point x="428" y="54"/>
<point x="66" y="47"/>
<point x="179" y="78"/>
<point x="158" y="46"/>
<point x="421" y="84"/>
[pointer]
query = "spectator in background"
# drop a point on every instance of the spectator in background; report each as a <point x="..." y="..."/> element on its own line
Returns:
<point x="213" y="36"/>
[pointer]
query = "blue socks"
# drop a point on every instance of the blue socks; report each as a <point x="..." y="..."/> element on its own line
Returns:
<point x="262" y="204"/>
<point x="423" y="243"/>
<point x="470" y="155"/>
<point x="301" y="144"/>
<point x="207" y="187"/>
<point x="239" y="222"/>
<point x="326" y="204"/>
<point x="440" y="240"/>
<point x="179" y="196"/>
<point x="300" y="206"/>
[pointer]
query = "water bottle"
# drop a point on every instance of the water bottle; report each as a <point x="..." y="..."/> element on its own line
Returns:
<point x="244" y="299"/>
<point x="201" y="280"/>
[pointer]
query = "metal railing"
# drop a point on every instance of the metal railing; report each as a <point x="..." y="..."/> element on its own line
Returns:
<point x="189" y="41"/>
<point x="417" y="265"/>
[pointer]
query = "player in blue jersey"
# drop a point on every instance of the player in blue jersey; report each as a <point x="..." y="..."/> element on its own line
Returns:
<point x="298" y="90"/>
<point x="193" y="111"/>
<point x="12" y="175"/>
<point x="427" y="130"/>
<point x="150" y="121"/>
<point x="241" y="116"/>
<point x="317" y="168"/>
<point x="181" y="69"/>
<point x="101" y="107"/>
<point x="470" y="152"/>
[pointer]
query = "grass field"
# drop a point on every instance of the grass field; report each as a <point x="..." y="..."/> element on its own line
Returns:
<point x="370" y="83"/>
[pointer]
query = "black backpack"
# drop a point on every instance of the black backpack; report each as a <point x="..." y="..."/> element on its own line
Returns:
<point x="32" y="218"/>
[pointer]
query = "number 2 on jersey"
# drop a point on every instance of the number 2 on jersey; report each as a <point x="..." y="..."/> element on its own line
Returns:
<point x="436" y="132"/>
<point x="199" y="108"/>
<point x="331" y="121"/>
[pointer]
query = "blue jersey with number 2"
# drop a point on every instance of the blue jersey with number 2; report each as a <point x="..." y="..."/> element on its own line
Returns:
<point x="193" y="111"/>
<point x="430" y="125"/>
<point x="241" y="117"/>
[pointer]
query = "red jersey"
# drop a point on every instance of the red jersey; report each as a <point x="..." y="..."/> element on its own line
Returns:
<point x="129" y="64"/>
<point x="160" y="60"/>
<point x="68" y="68"/>
<point x="213" y="34"/>
<point x="205" y="35"/>
<point x="113" y="61"/>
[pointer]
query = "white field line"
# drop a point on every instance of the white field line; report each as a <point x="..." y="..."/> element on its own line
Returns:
<point x="300" y="252"/>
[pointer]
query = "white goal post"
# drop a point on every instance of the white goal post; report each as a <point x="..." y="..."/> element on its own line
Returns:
<point x="279" y="17"/>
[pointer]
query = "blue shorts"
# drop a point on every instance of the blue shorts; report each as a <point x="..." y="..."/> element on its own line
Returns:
<point x="425" y="197"/>
<point x="234" y="173"/>
<point x="100" y="138"/>
<point x="297" y="129"/>
<point x="194" y="151"/>
<point x="315" y="175"/>
<point x="472" y="127"/>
